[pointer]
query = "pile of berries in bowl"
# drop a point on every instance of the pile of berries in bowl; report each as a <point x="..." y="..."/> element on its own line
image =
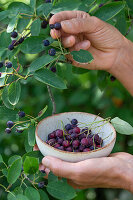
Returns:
<point x="75" y="136"/>
<point x="73" y="139"/>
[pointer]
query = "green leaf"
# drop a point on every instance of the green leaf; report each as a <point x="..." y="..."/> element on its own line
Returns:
<point x="11" y="196"/>
<point x="18" y="190"/>
<point x="14" y="92"/>
<point x="31" y="165"/>
<point x="35" y="27"/>
<point x="41" y="62"/>
<point x="77" y="70"/>
<point x="33" y="4"/>
<point x="44" y="9"/>
<point x="18" y="7"/>
<point x="1" y="159"/>
<point x="5" y="98"/>
<point x="43" y="195"/>
<point x="13" y="158"/>
<point x="5" y="39"/>
<point x="41" y="113"/>
<point x="11" y="24"/>
<point x="14" y="171"/>
<point x="31" y="135"/>
<point x="50" y="78"/>
<point x="6" y="113"/>
<point x="5" y="172"/>
<point x="35" y="154"/>
<point x="28" y="148"/>
<point x="32" y="194"/>
<point x="21" y="197"/>
<point x="82" y="56"/>
<point x="121" y="24"/>
<point x="121" y="126"/>
<point x="52" y="177"/>
<point x="109" y="10"/>
<point x="68" y="5"/>
<point x="22" y="23"/>
<point x="32" y="45"/>
<point x="61" y="190"/>
<point x="3" y="15"/>
<point x="130" y="4"/>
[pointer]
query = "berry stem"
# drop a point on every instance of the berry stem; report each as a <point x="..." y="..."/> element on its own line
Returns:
<point x="52" y="99"/>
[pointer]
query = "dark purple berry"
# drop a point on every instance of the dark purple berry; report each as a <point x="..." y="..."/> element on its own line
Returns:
<point x="69" y="137"/>
<point x="74" y="121"/>
<point x="10" y="124"/>
<point x="51" y="142"/>
<point x="14" y="42"/>
<point x="43" y="171"/>
<point x="96" y="138"/>
<point x="44" y="24"/>
<point x="82" y="135"/>
<point x="56" y="146"/>
<point x="8" y="130"/>
<point x="61" y="148"/>
<point x="84" y="142"/>
<point x="70" y="131"/>
<point x="52" y="52"/>
<point x="46" y="43"/>
<point x="76" y="130"/>
<point x="14" y="34"/>
<point x="86" y="150"/>
<point x="85" y="130"/>
<point x="59" y="133"/>
<point x="11" y="47"/>
<point x="60" y="141"/>
<point x="66" y="143"/>
<point x="21" y="114"/>
<point x="8" y="64"/>
<point x="75" y="144"/>
<point x="1" y="64"/>
<point x="0" y="74"/>
<point x="68" y="127"/>
<point x="90" y="142"/>
<point x="57" y="26"/>
<point x="53" y="69"/>
<point x="51" y="135"/>
<point x="51" y="26"/>
<point x="81" y="148"/>
<point x="74" y="135"/>
<point x="69" y="149"/>
<point x="101" y="5"/>
<point x="112" y="78"/>
<point x="19" y="131"/>
<point x="41" y="184"/>
<point x="20" y="40"/>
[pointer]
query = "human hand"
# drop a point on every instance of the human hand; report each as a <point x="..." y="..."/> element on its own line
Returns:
<point x="82" y="31"/>
<point x="115" y="171"/>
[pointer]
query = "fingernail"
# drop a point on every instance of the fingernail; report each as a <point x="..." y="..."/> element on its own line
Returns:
<point x="46" y="162"/>
<point x="47" y="171"/>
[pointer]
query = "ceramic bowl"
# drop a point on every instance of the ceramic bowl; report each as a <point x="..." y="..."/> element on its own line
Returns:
<point x="49" y="124"/>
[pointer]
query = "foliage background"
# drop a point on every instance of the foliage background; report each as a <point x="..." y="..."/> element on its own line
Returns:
<point x="83" y="94"/>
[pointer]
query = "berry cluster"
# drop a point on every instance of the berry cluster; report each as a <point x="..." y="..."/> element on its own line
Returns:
<point x="11" y="124"/>
<point x="74" y="139"/>
<point x="14" y="43"/>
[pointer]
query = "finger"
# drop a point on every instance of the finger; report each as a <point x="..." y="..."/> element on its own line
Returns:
<point x="68" y="41"/>
<point x="55" y="34"/>
<point x="35" y="148"/>
<point x="59" y="167"/>
<point x="80" y="25"/>
<point x="66" y="15"/>
<point x="81" y="45"/>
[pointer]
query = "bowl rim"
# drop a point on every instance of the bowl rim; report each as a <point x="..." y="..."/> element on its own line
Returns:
<point x="75" y="153"/>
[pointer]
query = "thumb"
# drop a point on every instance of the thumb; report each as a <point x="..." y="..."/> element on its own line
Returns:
<point x="80" y="25"/>
<point x="59" y="167"/>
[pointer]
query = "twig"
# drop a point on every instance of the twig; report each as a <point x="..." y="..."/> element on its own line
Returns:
<point x="52" y="99"/>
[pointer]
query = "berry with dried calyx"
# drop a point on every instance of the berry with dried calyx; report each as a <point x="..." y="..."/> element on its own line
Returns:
<point x="10" y="124"/>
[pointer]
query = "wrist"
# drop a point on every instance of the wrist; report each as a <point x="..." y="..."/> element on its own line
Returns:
<point x="123" y="67"/>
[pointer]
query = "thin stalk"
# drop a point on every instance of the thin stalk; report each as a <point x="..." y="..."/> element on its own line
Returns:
<point x="52" y="99"/>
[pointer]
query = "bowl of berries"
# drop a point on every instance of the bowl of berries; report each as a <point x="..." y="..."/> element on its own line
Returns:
<point x="75" y="136"/>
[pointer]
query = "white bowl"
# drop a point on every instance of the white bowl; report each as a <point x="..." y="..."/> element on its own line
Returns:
<point x="49" y="124"/>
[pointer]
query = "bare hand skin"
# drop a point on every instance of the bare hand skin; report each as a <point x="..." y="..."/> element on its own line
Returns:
<point x="115" y="171"/>
<point x="111" y="50"/>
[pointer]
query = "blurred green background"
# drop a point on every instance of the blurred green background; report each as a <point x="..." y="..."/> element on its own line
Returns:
<point x="83" y="94"/>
